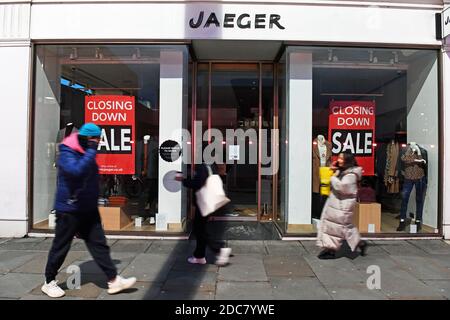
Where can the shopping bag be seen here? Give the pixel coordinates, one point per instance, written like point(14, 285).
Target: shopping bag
point(212, 195)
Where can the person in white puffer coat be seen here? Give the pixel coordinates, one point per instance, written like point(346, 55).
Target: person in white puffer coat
point(336, 222)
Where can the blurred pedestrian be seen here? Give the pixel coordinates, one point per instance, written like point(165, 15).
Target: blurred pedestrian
point(77, 211)
point(200, 228)
point(337, 215)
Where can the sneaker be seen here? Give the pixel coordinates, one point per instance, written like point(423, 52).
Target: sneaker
point(120, 284)
point(223, 257)
point(52, 289)
point(195, 260)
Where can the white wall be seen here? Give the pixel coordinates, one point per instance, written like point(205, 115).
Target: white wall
point(446, 135)
point(299, 127)
point(47, 117)
point(422, 126)
point(171, 116)
point(14, 90)
point(14, 77)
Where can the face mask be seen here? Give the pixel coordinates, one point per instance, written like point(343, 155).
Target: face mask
point(83, 141)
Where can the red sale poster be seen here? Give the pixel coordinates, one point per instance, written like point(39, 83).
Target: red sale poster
point(115, 115)
point(352, 128)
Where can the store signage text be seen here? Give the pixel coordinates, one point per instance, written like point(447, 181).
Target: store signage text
point(241, 21)
point(115, 115)
point(352, 129)
point(445, 23)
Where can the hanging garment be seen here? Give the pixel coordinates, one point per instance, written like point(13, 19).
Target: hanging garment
point(391, 178)
point(316, 164)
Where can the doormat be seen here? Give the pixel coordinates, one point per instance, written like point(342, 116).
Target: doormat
point(242, 230)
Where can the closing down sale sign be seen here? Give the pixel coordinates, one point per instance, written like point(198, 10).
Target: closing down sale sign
point(352, 128)
point(115, 115)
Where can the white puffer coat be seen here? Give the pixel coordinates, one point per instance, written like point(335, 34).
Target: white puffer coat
point(336, 222)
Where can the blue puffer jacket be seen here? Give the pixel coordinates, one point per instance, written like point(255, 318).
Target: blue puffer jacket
point(77, 176)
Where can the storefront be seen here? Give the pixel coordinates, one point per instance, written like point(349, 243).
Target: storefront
point(278, 91)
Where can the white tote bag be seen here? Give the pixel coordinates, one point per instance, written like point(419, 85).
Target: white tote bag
point(211, 196)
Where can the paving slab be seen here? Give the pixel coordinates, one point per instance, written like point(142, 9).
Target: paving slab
point(244, 268)
point(288, 266)
point(44, 245)
point(284, 288)
point(184, 295)
point(173, 247)
point(16, 285)
point(120, 259)
point(441, 286)
point(311, 247)
point(335, 273)
point(401, 248)
point(10, 260)
point(140, 291)
point(432, 246)
point(247, 247)
point(21, 244)
point(42, 296)
point(227, 290)
point(138, 246)
point(182, 265)
point(282, 248)
point(90, 286)
point(441, 259)
point(423, 268)
point(3, 240)
point(79, 245)
point(360, 292)
point(150, 267)
point(38, 263)
point(182, 281)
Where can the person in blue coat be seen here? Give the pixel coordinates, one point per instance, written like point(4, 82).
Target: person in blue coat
point(77, 211)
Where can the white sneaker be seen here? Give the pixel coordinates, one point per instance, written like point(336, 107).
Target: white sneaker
point(223, 257)
point(195, 260)
point(52, 289)
point(120, 284)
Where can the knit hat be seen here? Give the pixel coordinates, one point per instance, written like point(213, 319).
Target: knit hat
point(90, 130)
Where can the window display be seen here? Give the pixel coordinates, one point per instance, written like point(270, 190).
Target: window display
point(382, 106)
point(118, 88)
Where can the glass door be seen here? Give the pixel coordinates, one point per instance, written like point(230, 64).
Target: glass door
point(236, 101)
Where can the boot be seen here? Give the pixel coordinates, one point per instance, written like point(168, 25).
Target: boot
point(418, 225)
point(363, 247)
point(402, 225)
point(327, 254)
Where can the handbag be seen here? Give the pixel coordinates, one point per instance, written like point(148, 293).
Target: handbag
point(211, 196)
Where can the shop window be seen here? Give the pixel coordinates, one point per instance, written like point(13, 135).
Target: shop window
point(382, 106)
point(78, 84)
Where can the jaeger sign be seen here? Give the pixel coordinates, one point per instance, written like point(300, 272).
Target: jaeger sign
point(232, 20)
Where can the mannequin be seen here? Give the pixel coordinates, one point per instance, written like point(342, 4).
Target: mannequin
point(415, 161)
point(391, 176)
point(321, 157)
point(147, 166)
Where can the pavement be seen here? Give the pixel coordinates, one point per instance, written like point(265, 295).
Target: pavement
point(259, 270)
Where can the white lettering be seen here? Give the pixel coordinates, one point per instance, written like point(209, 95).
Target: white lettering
point(124, 139)
point(336, 142)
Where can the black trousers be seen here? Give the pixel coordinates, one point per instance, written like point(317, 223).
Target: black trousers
point(87, 225)
point(204, 237)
